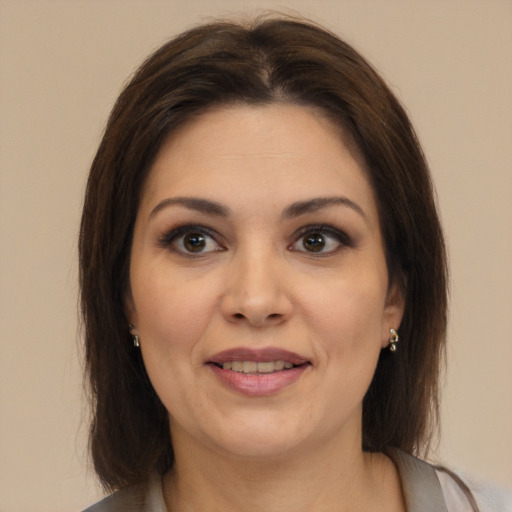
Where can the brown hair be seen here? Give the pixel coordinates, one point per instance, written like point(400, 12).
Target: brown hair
point(269, 60)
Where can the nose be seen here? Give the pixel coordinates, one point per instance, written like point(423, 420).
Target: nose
point(256, 290)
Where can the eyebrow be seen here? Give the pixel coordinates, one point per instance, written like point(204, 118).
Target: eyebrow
point(192, 203)
point(296, 209)
point(313, 205)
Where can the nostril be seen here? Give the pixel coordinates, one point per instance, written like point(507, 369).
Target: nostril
point(270, 317)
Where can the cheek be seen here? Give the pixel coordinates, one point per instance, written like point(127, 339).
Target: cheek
point(172, 317)
point(172, 311)
point(346, 324)
point(346, 313)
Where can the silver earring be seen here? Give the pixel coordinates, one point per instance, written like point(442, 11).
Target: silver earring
point(393, 340)
point(135, 337)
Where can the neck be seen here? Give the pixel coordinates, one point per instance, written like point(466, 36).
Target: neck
point(329, 479)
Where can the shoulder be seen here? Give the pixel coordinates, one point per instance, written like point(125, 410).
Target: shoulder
point(428, 488)
point(488, 497)
point(130, 499)
point(137, 498)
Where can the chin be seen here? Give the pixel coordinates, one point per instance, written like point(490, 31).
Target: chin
point(262, 438)
point(260, 446)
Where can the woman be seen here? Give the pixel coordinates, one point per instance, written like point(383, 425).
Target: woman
point(263, 281)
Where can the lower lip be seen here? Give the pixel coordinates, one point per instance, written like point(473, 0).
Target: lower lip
point(259, 384)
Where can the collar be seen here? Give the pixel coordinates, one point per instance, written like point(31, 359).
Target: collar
point(420, 485)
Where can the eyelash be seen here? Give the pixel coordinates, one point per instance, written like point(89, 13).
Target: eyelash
point(169, 239)
point(342, 239)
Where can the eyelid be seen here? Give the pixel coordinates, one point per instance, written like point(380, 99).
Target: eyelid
point(323, 229)
point(167, 239)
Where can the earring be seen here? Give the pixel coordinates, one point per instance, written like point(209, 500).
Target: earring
point(135, 337)
point(393, 340)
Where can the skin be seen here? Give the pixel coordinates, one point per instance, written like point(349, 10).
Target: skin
point(255, 284)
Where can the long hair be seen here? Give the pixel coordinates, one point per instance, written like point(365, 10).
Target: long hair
point(267, 61)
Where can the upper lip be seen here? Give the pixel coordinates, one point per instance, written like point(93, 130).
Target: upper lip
point(257, 355)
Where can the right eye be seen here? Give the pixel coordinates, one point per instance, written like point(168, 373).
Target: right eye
point(190, 241)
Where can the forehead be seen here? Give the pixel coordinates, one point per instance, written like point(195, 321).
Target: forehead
point(280, 151)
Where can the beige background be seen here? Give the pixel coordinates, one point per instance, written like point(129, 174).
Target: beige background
point(62, 63)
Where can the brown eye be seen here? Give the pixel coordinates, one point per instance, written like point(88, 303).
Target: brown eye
point(191, 241)
point(194, 242)
point(320, 240)
point(314, 242)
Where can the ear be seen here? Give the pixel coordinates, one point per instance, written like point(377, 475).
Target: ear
point(130, 311)
point(393, 311)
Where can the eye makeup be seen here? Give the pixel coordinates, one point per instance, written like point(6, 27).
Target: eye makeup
point(191, 240)
point(320, 240)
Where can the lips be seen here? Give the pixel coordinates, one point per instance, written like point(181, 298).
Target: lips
point(257, 366)
point(258, 372)
point(258, 355)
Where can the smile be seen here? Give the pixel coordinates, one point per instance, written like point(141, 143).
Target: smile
point(257, 366)
point(258, 372)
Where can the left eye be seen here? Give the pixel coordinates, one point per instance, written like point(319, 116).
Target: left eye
point(195, 242)
point(190, 241)
point(319, 241)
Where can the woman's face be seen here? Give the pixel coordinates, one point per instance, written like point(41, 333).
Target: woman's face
point(259, 286)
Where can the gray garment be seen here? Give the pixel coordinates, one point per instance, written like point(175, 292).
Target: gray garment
point(422, 491)
point(143, 498)
point(420, 485)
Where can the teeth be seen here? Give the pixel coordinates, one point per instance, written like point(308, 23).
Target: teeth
point(278, 365)
point(249, 367)
point(257, 366)
point(237, 366)
point(264, 367)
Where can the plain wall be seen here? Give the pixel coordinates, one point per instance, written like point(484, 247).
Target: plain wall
point(62, 64)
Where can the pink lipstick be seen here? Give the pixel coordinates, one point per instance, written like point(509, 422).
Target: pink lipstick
point(258, 372)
